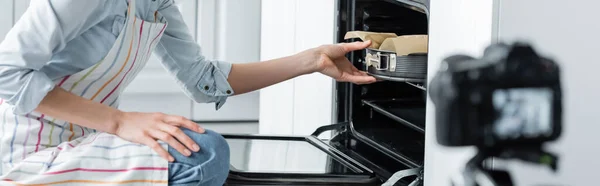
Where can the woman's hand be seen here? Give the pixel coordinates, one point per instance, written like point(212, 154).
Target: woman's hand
point(331, 60)
point(144, 128)
point(148, 128)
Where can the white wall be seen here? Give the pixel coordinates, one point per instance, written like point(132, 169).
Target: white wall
point(456, 26)
point(300, 105)
point(567, 32)
point(564, 31)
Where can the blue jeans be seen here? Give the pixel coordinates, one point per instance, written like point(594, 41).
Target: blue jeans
point(209, 166)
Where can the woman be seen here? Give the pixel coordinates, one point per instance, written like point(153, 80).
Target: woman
point(63, 66)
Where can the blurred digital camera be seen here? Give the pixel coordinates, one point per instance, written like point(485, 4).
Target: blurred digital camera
point(510, 96)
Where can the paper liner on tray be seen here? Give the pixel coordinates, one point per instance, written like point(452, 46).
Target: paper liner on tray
point(402, 45)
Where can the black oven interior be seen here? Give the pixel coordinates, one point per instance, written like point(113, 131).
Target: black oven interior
point(387, 118)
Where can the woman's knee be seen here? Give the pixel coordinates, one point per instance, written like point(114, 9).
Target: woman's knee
point(213, 157)
point(212, 142)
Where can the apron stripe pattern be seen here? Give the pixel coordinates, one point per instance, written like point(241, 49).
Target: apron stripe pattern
point(93, 182)
point(26, 137)
point(129, 70)
point(12, 141)
point(39, 133)
point(107, 70)
point(120, 70)
point(82, 156)
point(72, 133)
point(51, 131)
point(62, 131)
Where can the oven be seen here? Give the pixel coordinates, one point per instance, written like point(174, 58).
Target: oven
point(379, 134)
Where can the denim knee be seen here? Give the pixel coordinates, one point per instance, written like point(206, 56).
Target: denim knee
point(209, 166)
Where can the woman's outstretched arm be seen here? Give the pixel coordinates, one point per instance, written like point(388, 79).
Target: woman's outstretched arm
point(327, 59)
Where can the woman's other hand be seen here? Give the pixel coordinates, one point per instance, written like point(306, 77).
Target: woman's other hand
point(331, 60)
point(148, 128)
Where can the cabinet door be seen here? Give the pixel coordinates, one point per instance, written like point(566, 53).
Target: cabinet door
point(20, 6)
point(230, 31)
point(299, 105)
point(6, 17)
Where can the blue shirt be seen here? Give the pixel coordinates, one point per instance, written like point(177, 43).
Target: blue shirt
point(55, 38)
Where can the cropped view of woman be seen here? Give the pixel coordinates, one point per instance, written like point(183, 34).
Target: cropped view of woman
point(64, 64)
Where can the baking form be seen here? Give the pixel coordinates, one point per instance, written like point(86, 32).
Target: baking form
point(395, 58)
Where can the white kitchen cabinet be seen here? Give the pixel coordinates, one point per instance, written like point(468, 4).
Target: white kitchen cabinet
point(230, 31)
point(10, 12)
point(20, 6)
point(6, 17)
point(240, 108)
point(168, 103)
point(277, 104)
point(300, 105)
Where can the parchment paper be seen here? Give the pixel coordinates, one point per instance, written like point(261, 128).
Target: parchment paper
point(402, 45)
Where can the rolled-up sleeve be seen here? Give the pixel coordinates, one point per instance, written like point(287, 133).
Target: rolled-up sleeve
point(45, 28)
point(203, 80)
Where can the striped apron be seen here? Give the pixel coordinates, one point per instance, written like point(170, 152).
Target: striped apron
point(40, 150)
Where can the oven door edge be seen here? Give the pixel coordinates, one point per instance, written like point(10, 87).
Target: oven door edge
point(362, 174)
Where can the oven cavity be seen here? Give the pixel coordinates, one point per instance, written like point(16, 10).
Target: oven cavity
point(387, 118)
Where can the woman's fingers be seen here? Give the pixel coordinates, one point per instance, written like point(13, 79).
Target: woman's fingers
point(360, 73)
point(359, 45)
point(358, 79)
point(166, 137)
point(181, 136)
point(152, 143)
point(183, 122)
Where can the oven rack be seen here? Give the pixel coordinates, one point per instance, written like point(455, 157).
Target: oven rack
point(396, 79)
point(408, 151)
point(418, 85)
point(409, 112)
point(416, 5)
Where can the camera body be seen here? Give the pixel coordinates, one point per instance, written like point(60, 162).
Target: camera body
point(511, 96)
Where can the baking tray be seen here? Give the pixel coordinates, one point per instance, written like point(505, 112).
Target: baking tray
point(389, 66)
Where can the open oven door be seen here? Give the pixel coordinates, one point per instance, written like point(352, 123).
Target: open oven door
point(286, 160)
point(308, 160)
point(355, 155)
